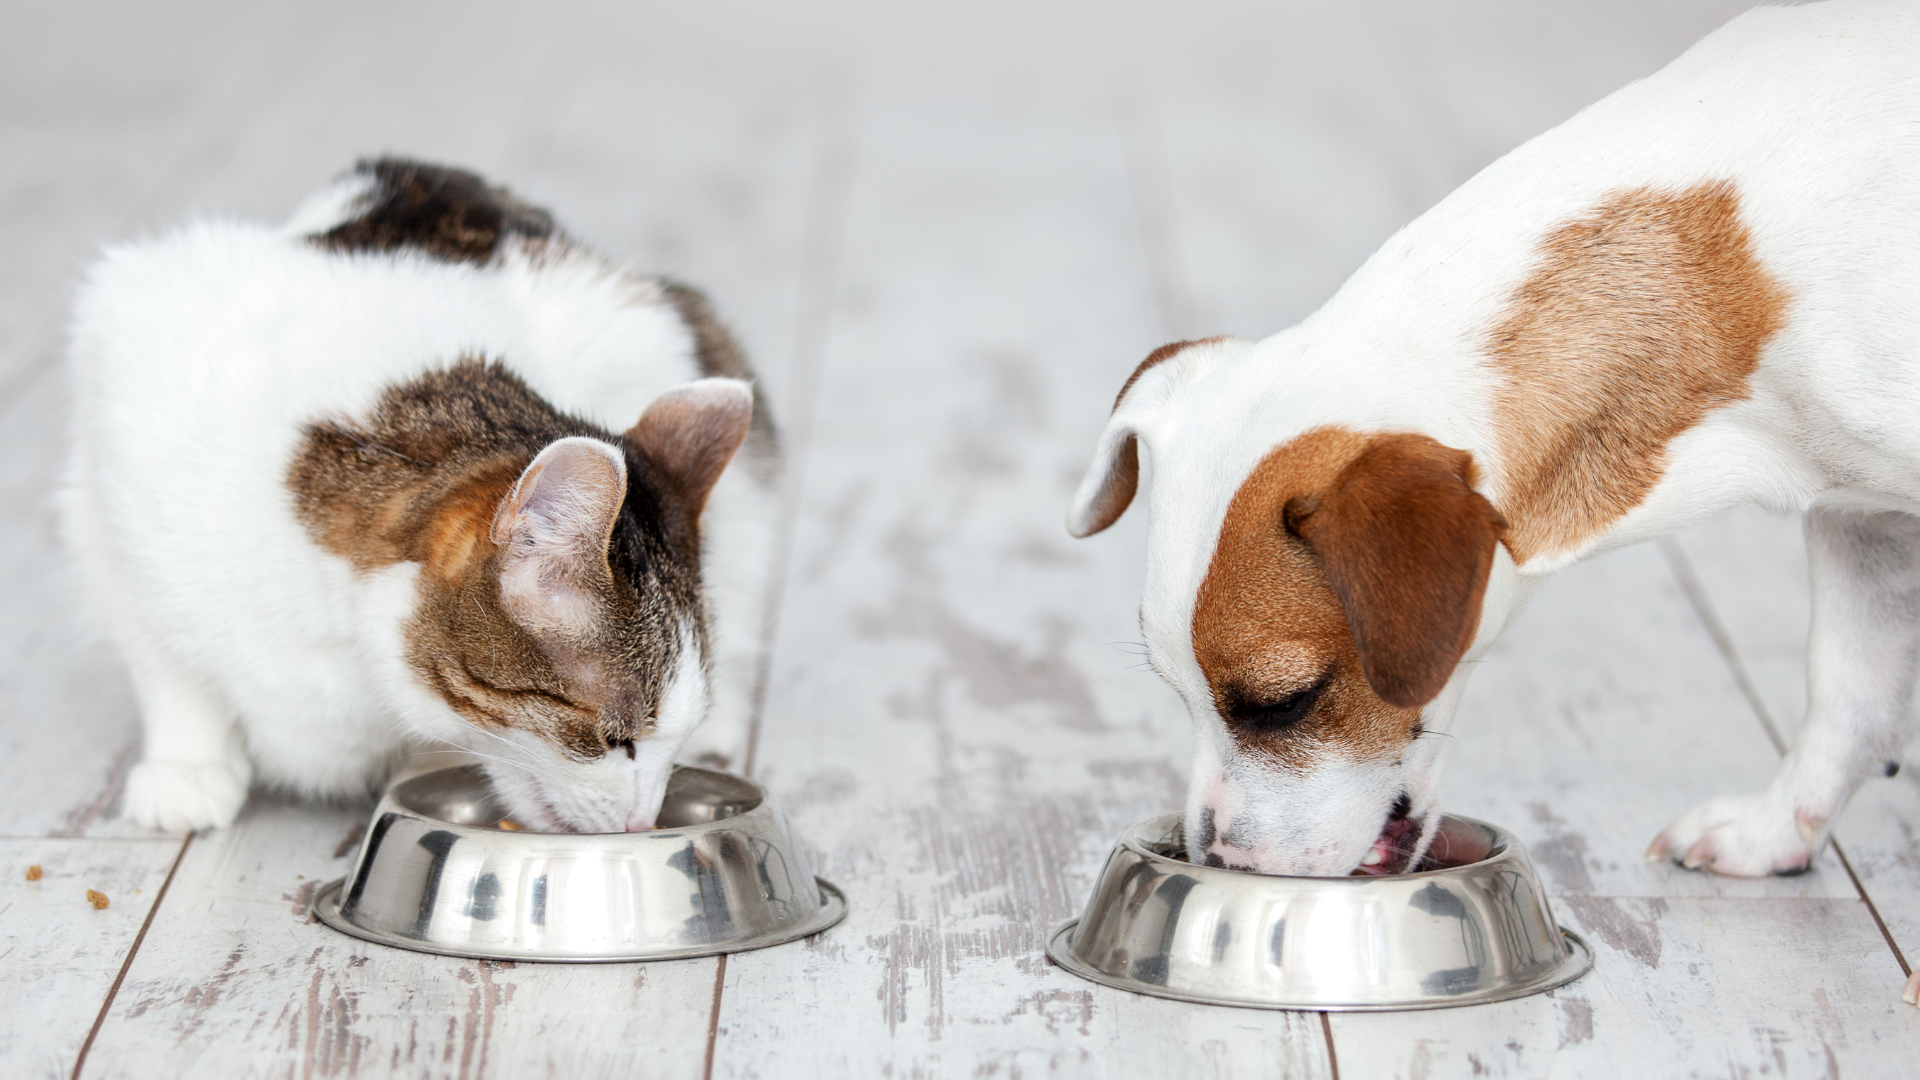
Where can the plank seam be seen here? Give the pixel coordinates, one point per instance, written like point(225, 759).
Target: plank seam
point(820, 270)
point(713, 1016)
point(1333, 1060)
point(1873, 909)
point(80, 1061)
point(1682, 568)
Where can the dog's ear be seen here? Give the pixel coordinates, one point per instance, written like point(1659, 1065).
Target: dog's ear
point(1109, 484)
point(1407, 544)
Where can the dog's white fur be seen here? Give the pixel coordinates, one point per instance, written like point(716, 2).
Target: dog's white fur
point(255, 653)
point(1813, 113)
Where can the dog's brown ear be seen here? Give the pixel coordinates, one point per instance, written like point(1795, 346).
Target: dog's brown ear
point(1407, 544)
point(1108, 488)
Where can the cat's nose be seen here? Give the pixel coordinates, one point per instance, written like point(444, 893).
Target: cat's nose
point(638, 823)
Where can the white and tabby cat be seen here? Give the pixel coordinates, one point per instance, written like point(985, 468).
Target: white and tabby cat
point(365, 482)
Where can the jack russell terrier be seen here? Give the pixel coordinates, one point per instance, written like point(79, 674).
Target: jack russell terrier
point(1700, 292)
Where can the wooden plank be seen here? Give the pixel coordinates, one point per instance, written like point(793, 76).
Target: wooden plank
point(1300, 137)
point(117, 113)
point(424, 80)
point(1752, 570)
point(697, 163)
point(1687, 986)
point(950, 722)
point(952, 729)
point(68, 731)
point(1479, 78)
point(1289, 157)
point(58, 953)
point(237, 979)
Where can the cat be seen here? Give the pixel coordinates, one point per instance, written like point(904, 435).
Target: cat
point(415, 469)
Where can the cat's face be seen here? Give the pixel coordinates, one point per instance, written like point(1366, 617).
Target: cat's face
point(561, 615)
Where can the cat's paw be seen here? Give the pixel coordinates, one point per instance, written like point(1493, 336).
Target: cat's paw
point(1741, 836)
point(181, 796)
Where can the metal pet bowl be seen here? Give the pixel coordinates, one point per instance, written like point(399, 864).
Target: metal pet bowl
point(436, 873)
point(1471, 926)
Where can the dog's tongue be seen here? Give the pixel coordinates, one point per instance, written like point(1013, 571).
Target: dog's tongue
point(1391, 851)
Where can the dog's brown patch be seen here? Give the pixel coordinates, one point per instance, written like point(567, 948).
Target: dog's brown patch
point(1407, 545)
point(1267, 622)
point(1637, 321)
point(1356, 562)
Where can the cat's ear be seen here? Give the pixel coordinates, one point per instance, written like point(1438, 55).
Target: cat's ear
point(692, 431)
point(553, 528)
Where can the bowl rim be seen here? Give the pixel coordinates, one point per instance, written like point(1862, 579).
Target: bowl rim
point(1134, 840)
point(833, 908)
point(389, 802)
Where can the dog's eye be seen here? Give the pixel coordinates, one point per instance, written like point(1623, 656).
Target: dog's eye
point(1281, 714)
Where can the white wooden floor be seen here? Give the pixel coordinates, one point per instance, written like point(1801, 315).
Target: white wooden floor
point(946, 235)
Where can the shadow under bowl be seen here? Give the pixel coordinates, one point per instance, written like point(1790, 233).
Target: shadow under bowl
point(1472, 926)
point(438, 873)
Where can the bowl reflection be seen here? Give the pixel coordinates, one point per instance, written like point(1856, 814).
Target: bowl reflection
point(437, 873)
point(1472, 925)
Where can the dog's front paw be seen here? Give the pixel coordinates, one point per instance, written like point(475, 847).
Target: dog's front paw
point(181, 796)
point(1741, 836)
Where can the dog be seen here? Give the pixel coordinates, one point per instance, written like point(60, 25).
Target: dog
point(1702, 291)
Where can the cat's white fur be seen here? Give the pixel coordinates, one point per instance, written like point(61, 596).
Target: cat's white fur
point(254, 653)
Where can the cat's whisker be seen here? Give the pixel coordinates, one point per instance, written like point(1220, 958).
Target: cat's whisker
point(525, 760)
point(522, 760)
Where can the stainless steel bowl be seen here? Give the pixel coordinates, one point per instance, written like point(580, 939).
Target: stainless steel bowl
point(1475, 928)
point(437, 873)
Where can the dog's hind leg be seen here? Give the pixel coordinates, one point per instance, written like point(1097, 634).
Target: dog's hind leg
point(1862, 649)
